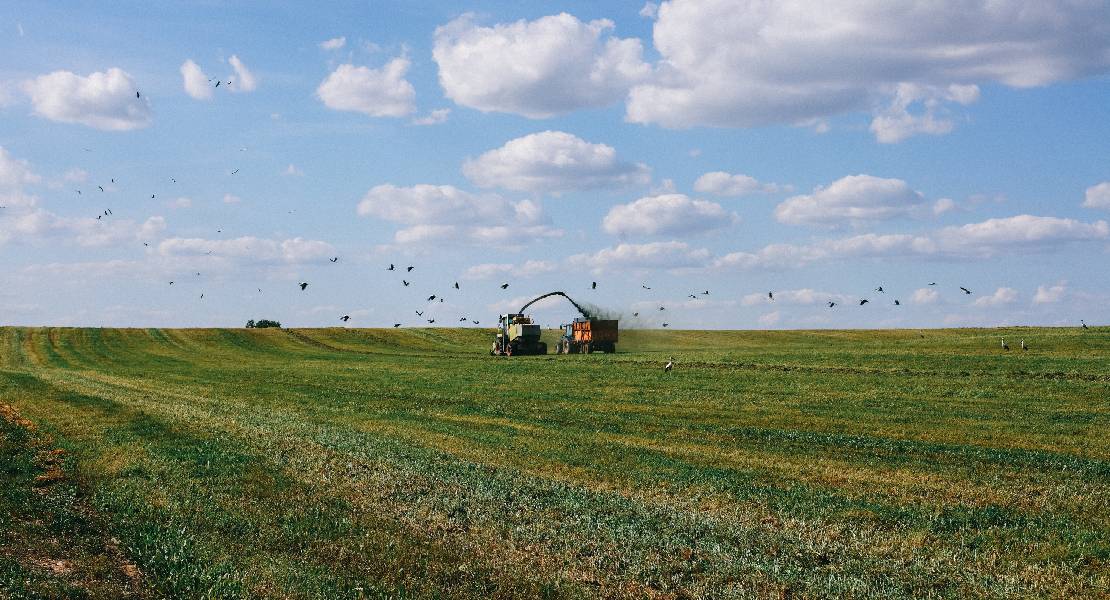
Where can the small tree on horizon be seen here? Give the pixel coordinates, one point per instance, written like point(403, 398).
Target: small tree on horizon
point(262, 323)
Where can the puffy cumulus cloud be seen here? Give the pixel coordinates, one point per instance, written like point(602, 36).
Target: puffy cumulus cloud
point(196, 82)
point(1098, 196)
point(724, 184)
point(108, 101)
point(746, 63)
point(529, 269)
point(36, 226)
point(244, 81)
point(924, 296)
point(670, 215)
point(247, 249)
point(856, 198)
point(1052, 294)
point(656, 255)
point(334, 43)
point(551, 66)
point(448, 216)
point(1023, 233)
point(378, 93)
point(232, 199)
point(554, 162)
point(15, 172)
point(436, 117)
point(1004, 295)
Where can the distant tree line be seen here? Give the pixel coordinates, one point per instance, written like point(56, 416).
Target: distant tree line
point(262, 323)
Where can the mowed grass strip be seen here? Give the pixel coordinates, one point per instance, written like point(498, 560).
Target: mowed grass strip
point(803, 467)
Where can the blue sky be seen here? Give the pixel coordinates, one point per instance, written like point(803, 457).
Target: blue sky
point(814, 151)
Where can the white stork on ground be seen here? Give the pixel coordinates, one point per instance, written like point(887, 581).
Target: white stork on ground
point(670, 365)
point(1004, 346)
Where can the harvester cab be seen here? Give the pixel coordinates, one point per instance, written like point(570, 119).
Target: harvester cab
point(517, 334)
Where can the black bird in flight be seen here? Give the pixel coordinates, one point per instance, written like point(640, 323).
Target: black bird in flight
point(693, 296)
point(405, 282)
point(432, 297)
point(419, 314)
point(431, 320)
point(662, 308)
point(136, 94)
point(635, 314)
point(504, 285)
point(334, 259)
point(594, 286)
point(862, 302)
point(475, 322)
point(879, 289)
point(345, 318)
point(462, 319)
point(832, 304)
point(396, 324)
point(645, 287)
point(933, 283)
point(966, 291)
point(410, 268)
point(456, 285)
point(390, 267)
point(101, 187)
point(770, 295)
point(896, 303)
point(665, 324)
point(705, 293)
point(303, 284)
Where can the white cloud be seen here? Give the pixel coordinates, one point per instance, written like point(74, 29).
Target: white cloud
point(671, 215)
point(232, 199)
point(291, 170)
point(196, 82)
point(770, 319)
point(245, 81)
point(1020, 233)
point(334, 43)
point(554, 162)
point(856, 198)
point(107, 101)
point(448, 216)
point(529, 269)
point(248, 249)
point(650, 10)
point(1053, 294)
point(383, 93)
point(1098, 196)
point(745, 63)
point(15, 172)
point(1004, 295)
point(805, 296)
point(179, 203)
point(551, 66)
point(723, 184)
point(37, 226)
point(924, 296)
point(656, 255)
point(75, 174)
point(436, 117)
point(944, 205)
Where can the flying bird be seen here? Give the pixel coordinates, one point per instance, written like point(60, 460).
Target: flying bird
point(345, 318)
point(862, 302)
point(693, 296)
point(705, 293)
point(431, 320)
point(665, 324)
point(303, 284)
point(966, 291)
point(635, 314)
point(770, 295)
point(432, 297)
point(462, 319)
point(504, 285)
point(236, 171)
point(593, 286)
point(933, 283)
point(390, 267)
point(419, 314)
point(410, 268)
point(217, 84)
point(879, 289)
point(645, 287)
point(405, 282)
point(832, 304)
point(202, 295)
point(456, 285)
point(897, 303)
point(396, 324)
point(475, 322)
point(670, 364)
point(1004, 346)
point(101, 187)
point(334, 259)
point(662, 308)
point(136, 94)
point(171, 283)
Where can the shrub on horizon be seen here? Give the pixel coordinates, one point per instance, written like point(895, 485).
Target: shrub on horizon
point(262, 323)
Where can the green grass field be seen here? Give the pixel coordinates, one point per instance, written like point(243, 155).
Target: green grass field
point(346, 463)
